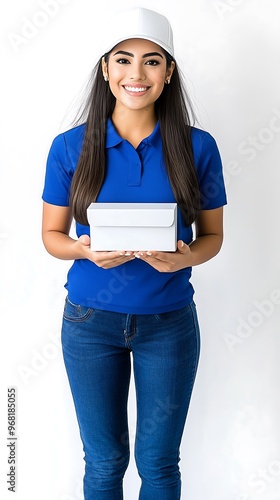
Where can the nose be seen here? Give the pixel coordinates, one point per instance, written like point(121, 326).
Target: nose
point(137, 71)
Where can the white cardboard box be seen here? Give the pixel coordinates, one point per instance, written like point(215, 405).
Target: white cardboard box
point(133, 226)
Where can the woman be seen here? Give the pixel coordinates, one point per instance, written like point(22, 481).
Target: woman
point(136, 145)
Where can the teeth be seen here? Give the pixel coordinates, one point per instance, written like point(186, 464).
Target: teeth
point(135, 89)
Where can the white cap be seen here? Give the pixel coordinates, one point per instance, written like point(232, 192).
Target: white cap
point(139, 23)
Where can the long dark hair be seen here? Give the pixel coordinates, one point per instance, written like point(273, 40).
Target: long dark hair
point(174, 112)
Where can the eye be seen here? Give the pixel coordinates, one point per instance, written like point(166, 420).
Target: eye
point(122, 60)
point(152, 62)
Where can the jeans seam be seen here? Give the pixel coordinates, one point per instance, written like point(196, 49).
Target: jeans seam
point(197, 335)
point(79, 319)
point(130, 337)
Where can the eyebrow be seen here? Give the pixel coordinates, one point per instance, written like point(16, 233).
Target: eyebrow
point(149, 54)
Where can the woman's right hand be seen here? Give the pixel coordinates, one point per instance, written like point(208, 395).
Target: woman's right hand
point(106, 260)
point(56, 225)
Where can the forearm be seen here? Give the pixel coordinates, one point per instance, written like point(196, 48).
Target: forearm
point(209, 239)
point(61, 246)
point(205, 248)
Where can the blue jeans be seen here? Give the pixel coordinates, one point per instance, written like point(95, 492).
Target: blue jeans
point(97, 349)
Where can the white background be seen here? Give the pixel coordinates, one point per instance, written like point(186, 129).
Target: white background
point(229, 53)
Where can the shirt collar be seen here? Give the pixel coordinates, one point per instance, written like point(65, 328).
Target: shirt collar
point(113, 138)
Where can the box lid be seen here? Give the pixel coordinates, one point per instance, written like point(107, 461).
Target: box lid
point(132, 214)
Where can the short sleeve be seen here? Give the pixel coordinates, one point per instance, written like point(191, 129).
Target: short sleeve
point(59, 173)
point(209, 170)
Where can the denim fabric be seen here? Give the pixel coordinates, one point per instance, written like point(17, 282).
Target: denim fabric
point(98, 349)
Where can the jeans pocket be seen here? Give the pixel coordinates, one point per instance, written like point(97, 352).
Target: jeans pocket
point(76, 312)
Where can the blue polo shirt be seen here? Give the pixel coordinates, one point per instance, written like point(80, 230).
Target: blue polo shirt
point(132, 175)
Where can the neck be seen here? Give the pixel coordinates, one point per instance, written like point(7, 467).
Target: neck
point(134, 125)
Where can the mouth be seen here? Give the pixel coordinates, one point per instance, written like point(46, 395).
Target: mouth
point(136, 89)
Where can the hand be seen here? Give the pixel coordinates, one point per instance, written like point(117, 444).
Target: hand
point(168, 262)
point(106, 260)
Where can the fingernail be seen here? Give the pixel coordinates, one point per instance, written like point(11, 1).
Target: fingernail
point(149, 253)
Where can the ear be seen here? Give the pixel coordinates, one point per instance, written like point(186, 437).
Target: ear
point(104, 69)
point(169, 72)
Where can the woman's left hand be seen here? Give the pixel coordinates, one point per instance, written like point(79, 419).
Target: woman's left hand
point(168, 262)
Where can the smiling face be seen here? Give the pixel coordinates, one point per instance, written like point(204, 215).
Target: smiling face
point(137, 71)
